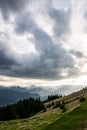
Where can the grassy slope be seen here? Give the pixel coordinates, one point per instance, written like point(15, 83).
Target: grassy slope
point(37, 122)
point(53, 119)
point(34, 123)
point(74, 120)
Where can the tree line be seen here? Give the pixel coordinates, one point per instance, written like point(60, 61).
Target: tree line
point(52, 97)
point(21, 109)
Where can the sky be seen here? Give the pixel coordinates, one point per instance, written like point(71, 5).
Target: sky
point(43, 42)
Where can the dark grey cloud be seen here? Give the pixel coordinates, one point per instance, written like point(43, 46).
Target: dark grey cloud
point(51, 58)
point(77, 53)
point(24, 23)
point(61, 21)
point(12, 6)
point(7, 61)
point(85, 17)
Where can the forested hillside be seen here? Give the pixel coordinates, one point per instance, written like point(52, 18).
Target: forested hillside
point(21, 109)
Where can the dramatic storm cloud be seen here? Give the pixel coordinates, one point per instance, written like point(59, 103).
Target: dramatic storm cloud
point(43, 39)
point(9, 6)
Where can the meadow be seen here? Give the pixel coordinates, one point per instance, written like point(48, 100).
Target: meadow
point(75, 118)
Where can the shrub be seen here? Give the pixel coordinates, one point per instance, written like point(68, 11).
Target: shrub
point(52, 103)
point(56, 105)
point(44, 110)
point(64, 109)
point(82, 99)
point(62, 106)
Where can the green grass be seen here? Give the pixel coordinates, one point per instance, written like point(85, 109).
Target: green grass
point(52, 120)
point(34, 123)
point(74, 120)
